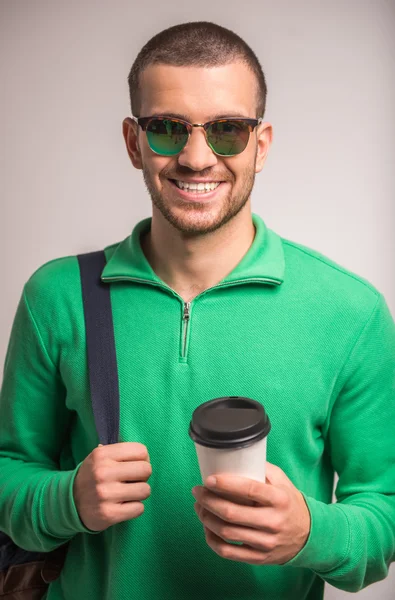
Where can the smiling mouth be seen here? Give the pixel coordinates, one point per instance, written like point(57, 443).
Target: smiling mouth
point(195, 194)
point(194, 189)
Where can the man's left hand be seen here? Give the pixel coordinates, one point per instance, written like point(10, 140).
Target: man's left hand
point(272, 531)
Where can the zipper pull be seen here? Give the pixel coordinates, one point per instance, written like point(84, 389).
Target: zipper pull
point(186, 310)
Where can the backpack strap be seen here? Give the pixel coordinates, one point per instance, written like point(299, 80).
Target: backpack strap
point(102, 367)
point(102, 361)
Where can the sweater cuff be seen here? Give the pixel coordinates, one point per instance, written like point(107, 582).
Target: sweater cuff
point(59, 515)
point(329, 540)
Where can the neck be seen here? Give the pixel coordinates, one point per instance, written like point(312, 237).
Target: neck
point(190, 265)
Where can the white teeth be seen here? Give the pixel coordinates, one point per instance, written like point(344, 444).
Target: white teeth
point(197, 187)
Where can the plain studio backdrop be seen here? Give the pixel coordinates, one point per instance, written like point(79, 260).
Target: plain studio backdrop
point(67, 185)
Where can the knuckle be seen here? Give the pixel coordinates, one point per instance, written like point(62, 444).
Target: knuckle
point(253, 489)
point(147, 469)
point(276, 524)
point(141, 448)
point(269, 545)
point(139, 509)
point(140, 445)
point(227, 533)
point(101, 492)
point(105, 513)
point(283, 499)
point(98, 453)
point(230, 514)
point(146, 490)
point(100, 474)
point(226, 551)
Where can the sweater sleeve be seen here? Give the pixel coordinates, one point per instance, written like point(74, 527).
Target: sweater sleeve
point(352, 542)
point(37, 508)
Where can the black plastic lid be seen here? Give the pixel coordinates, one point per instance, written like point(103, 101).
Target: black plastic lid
point(229, 422)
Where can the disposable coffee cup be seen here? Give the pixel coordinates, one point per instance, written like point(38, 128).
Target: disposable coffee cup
point(230, 436)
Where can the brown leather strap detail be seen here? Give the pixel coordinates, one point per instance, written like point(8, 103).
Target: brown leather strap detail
point(30, 580)
point(22, 582)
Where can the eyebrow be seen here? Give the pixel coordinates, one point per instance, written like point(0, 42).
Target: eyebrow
point(211, 118)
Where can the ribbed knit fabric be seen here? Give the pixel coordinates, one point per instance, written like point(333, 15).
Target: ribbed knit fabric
point(288, 327)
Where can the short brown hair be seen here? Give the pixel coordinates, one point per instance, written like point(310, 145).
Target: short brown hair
point(197, 44)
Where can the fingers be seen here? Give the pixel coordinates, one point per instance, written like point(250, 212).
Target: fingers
point(264, 517)
point(124, 472)
point(229, 532)
point(263, 494)
point(122, 451)
point(121, 492)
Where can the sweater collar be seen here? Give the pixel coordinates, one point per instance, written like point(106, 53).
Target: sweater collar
point(264, 260)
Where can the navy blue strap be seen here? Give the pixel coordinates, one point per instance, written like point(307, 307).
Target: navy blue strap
point(102, 361)
point(102, 367)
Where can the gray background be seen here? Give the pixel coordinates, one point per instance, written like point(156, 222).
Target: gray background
point(67, 185)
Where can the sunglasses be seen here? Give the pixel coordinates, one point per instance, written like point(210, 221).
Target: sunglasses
point(168, 136)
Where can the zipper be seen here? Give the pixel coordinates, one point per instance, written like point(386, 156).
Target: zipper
point(186, 317)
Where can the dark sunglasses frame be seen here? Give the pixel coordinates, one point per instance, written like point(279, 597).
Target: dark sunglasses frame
point(251, 123)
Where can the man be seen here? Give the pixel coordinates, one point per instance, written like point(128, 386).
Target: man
point(207, 302)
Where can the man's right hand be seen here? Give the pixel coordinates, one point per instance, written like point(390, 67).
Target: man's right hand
point(109, 485)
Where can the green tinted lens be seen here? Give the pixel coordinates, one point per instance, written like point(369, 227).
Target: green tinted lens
point(166, 137)
point(228, 137)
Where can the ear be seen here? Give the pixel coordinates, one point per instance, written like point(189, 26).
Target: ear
point(264, 139)
point(130, 133)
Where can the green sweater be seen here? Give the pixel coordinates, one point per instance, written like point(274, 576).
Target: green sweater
point(311, 341)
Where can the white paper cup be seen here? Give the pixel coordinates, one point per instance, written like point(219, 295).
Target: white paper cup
point(230, 436)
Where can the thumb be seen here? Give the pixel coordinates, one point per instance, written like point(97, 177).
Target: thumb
point(276, 476)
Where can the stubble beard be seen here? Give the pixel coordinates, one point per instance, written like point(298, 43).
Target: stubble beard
point(198, 218)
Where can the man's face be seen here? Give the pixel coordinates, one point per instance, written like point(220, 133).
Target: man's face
point(198, 94)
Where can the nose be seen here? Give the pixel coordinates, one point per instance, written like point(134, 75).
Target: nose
point(197, 154)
